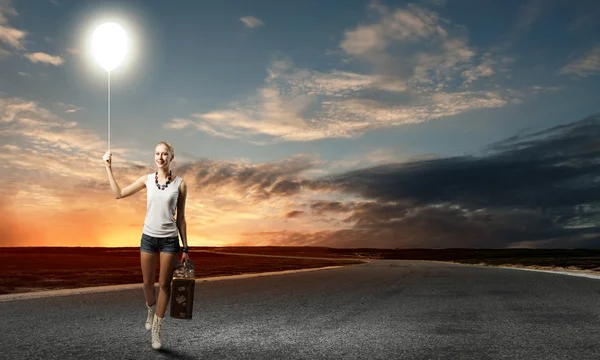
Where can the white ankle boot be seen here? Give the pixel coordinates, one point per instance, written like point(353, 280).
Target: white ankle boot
point(156, 329)
point(150, 318)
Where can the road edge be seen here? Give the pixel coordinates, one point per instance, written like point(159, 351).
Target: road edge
point(564, 272)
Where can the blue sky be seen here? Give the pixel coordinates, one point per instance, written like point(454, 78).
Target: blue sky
point(322, 89)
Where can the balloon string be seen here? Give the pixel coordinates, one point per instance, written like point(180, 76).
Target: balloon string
point(108, 111)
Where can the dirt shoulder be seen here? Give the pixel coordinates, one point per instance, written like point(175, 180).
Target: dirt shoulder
point(34, 270)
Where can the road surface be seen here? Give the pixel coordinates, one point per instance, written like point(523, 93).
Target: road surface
point(384, 309)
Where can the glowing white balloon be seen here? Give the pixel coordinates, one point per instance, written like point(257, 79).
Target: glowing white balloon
point(109, 45)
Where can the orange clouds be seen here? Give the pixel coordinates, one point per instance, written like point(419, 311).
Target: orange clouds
point(57, 191)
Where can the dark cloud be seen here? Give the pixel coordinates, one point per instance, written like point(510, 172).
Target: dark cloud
point(535, 190)
point(286, 187)
point(294, 213)
point(319, 207)
point(526, 189)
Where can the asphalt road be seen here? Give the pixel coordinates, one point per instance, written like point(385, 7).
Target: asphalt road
point(385, 309)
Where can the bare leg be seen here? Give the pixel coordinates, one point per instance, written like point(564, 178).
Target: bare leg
point(149, 261)
point(167, 264)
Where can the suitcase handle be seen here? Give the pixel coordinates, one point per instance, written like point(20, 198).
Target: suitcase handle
point(186, 268)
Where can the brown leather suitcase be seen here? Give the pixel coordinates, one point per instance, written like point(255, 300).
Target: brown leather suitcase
point(182, 291)
point(182, 298)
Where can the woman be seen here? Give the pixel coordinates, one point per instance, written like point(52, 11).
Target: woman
point(165, 194)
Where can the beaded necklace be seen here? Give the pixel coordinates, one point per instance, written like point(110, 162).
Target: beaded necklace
point(165, 185)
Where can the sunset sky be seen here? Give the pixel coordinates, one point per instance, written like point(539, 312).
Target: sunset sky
point(389, 124)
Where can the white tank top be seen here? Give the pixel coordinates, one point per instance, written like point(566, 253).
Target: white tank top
point(160, 210)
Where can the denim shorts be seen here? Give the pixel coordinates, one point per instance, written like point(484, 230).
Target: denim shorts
point(153, 244)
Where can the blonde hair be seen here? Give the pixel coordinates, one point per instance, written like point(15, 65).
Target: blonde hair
point(171, 150)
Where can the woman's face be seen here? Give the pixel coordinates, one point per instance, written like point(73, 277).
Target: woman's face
point(161, 156)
